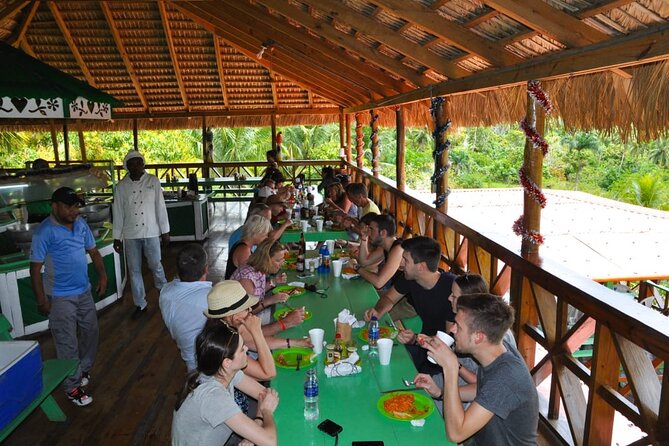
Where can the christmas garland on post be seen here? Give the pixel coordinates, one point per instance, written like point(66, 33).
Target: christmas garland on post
point(531, 188)
point(441, 146)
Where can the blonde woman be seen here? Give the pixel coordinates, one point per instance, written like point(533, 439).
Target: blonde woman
point(255, 230)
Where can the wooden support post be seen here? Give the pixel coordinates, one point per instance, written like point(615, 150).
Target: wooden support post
point(359, 143)
point(374, 139)
point(273, 124)
point(342, 134)
point(532, 165)
point(441, 143)
point(400, 173)
point(207, 148)
point(349, 156)
point(54, 142)
point(526, 314)
point(82, 145)
point(66, 142)
point(135, 139)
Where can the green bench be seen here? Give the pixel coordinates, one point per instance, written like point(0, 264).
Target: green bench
point(54, 371)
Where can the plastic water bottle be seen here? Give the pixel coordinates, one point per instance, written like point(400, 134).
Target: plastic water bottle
point(311, 395)
point(373, 334)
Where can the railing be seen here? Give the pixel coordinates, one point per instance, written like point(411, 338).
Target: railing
point(559, 310)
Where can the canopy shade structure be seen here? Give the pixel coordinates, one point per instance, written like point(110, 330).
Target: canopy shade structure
point(31, 89)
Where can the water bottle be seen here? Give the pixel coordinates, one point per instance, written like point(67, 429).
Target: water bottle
point(311, 395)
point(373, 334)
point(326, 258)
point(321, 258)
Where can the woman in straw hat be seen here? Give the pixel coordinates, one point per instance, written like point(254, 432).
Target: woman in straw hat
point(206, 412)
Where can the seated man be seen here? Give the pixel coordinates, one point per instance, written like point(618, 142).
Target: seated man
point(277, 206)
point(357, 193)
point(504, 409)
point(381, 234)
point(429, 289)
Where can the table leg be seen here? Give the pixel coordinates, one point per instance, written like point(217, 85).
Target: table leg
point(52, 410)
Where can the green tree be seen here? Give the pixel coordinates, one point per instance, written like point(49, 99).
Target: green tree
point(579, 143)
point(659, 152)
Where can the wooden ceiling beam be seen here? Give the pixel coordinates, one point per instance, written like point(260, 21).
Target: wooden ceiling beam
point(249, 47)
point(124, 54)
point(276, 53)
point(438, 4)
point(23, 27)
point(348, 42)
point(272, 81)
point(481, 19)
point(385, 35)
point(221, 70)
point(542, 17)
point(232, 113)
point(452, 32)
point(647, 46)
point(312, 49)
point(12, 8)
point(25, 46)
point(602, 8)
point(70, 42)
point(164, 18)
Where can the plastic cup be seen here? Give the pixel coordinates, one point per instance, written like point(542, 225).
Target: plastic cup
point(336, 267)
point(316, 336)
point(385, 347)
point(319, 225)
point(331, 246)
point(305, 225)
point(446, 339)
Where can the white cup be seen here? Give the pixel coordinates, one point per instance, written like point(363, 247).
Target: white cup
point(331, 246)
point(319, 225)
point(316, 336)
point(305, 225)
point(336, 267)
point(446, 339)
point(385, 350)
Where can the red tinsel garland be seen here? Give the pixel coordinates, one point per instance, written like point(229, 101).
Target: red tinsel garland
point(531, 188)
point(537, 141)
point(531, 236)
point(534, 89)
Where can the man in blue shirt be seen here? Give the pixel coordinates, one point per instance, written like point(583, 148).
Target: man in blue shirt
point(63, 292)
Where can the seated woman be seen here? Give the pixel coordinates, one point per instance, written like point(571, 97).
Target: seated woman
point(337, 202)
point(268, 259)
point(255, 230)
point(206, 412)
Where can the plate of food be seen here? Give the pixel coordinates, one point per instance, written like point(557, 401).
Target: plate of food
point(282, 312)
point(384, 332)
point(287, 357)
point(405, 406)
point(291, 290)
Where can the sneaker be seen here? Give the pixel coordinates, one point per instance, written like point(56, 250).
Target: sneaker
point(139, 312)
point(85, 379)
point(79, 397)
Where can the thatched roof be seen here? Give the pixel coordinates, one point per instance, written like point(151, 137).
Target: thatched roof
point(175, 60)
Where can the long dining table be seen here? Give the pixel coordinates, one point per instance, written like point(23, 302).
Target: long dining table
point(350, 401)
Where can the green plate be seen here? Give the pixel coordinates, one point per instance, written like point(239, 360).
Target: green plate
point(287, 357)
point(422, 407)
point(384, 332)
point(278, 314)
point(287, 289)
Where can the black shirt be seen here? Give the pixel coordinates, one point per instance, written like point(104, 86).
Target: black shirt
point(230, 267)
point(432, 306)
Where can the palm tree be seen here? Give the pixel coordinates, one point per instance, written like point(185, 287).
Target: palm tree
point(659, 152)
point(578, 144)
point(648, 191)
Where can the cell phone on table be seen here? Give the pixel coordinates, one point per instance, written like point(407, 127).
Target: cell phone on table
point(330, 427)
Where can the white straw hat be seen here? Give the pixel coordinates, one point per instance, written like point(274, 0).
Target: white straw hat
point(227, 298)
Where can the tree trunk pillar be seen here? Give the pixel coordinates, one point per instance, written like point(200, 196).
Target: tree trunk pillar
point(400, 172)
point(207, 148)
point(66, 142)
point(273, 124)
point(441, 146)
point(374, 138)
point(349, 156)
point(532, 166)
point(342, 135)
point(359, 143)
point(82, 145)
point(135, 137)
point(54, 142)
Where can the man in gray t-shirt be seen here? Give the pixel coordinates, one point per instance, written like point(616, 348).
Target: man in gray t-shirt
point(504, 409)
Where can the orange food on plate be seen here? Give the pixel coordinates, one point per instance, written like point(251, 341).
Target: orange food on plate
point(402, 406)
point(348, 270)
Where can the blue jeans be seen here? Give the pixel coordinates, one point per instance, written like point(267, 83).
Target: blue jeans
point(74, 326)
point(150, 247)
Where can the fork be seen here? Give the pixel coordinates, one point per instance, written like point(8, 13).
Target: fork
point(407, 382)
point(299, 360)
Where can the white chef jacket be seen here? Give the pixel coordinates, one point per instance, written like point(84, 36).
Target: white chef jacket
point(139, 208)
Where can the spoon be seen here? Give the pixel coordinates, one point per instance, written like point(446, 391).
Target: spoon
point(408, 383)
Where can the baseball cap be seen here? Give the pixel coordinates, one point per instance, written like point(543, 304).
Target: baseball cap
point(67, 196)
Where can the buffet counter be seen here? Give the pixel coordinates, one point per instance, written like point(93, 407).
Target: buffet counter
point(189, 218)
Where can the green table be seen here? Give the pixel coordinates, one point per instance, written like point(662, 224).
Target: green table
point(349, 401)
point(312, 235)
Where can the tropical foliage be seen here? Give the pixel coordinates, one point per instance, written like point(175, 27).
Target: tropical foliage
point(480, 156)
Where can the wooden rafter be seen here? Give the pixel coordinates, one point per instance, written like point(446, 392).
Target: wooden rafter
point(602, 8)
point(164, 18)
point(481, 19)
point(25, 46)
point(646, 46)
point(221, 71)
point(325, 30)
point(542, 17)
point(249, 46)
point(312, 49)
point(450, 31)
point(23, 28)
point(438, 4)
point(11, 9)
point(385, 36)
point(233, 113)
point(70, 42)
point(272, 81)
point(124, 54)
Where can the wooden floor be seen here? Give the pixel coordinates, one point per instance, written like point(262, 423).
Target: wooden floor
point(138, 371)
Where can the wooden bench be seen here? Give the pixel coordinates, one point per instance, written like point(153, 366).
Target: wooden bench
point(54, 371)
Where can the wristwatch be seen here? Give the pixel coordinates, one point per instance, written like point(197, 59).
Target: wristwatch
point(356, 267)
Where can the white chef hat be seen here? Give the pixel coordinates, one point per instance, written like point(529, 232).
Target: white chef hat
point(132, 154)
